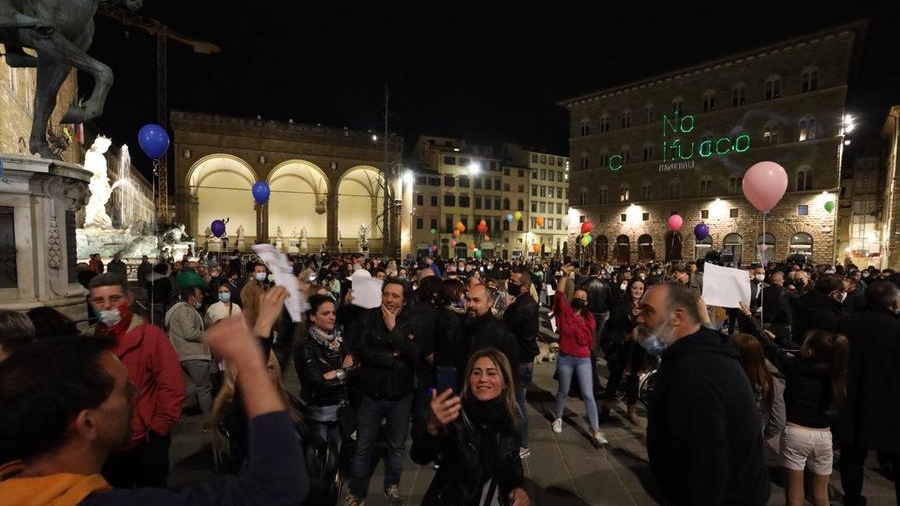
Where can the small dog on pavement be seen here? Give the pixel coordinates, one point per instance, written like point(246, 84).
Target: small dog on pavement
point(546, 352)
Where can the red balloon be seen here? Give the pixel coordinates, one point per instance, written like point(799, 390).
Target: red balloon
point(586, 227)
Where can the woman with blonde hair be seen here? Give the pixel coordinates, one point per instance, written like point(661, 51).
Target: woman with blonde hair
point(476, 436)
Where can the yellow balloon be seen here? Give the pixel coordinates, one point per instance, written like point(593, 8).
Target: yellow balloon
point(518, 215)
point(585, 240)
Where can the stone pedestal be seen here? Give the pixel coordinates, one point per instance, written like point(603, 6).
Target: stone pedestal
point(304, 245)
point(214, 245)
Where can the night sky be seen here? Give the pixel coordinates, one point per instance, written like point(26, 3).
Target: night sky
point(485, 71)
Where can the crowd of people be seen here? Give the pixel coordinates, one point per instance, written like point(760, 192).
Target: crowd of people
point(447, 359)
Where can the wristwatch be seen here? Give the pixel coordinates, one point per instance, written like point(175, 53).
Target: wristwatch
point(340, 374)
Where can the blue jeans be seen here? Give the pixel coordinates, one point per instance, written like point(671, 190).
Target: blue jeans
point(328, 431)
point(523, 380)
point(369, 415)
point(566, 366)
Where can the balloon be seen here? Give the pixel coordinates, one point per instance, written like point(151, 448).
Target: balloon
point(482, 222)
point(518, 215)
point(566, 221)
point(487, 238)
point(586, 227)
point(261, 192)
point(536, 247)
point(481, 228)
point(478, 253)
point(829, 206)
point(585, 240)
point(675, 222)
point(540, 221)
point(701, 231)
point(154, 140)
point(764, 185)
point(509, 218)
point(218, 228)
point(433, 231)
point(460, 226)
point(456, 233)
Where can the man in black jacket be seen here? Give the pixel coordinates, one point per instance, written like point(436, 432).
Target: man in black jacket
point(482, 329)
point(871, 418)
point(599, 303)
point(388, 352)
point(522, 319)
point(704, 437)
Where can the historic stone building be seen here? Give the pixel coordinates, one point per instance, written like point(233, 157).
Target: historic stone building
point(680, 143)
point(327, 184)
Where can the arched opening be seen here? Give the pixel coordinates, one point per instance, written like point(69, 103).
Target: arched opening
point(765, 247)
point(220, 186)
point(702, 247)
point(361, 205)
point(801, 246)
point(732, 245)
point(623, 250)
point(673, 245)
point(601, 248)
point(461, 250)
point(645, 247)
point(298, 206)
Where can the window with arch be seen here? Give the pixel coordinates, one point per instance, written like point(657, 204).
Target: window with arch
point(770, 133)
point(623, 193)
point(765, 247)
point(603, 194)
point(709, 100)
point(626, 118)
point(674, 189)
point(705, 186)
point(520, 205)
point(506, 204)
point(585, 127)
point(583, 196)
point(804, 179)
point(773, 87)
point(585, 161)
point(807, 128)
point(604, 158)
point(738, 94)
point(801, 244)
point(646, 189)
point(604, 123)
point(703, 246)
point(647, 152)
point(677, 105)
point(626, 153)
point(731, 252)
point(809, 79)
point(735, 185)
point(648, 113)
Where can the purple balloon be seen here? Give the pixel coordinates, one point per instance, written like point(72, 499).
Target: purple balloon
point(701, 231)
point(218, 228)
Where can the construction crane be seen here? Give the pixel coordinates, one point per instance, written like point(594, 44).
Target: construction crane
point(163, 34)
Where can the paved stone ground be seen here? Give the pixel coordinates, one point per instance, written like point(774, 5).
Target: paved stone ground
point(564, 469)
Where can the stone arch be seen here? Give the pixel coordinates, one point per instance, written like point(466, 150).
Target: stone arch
point(220, 186)
point(361, 194)
point(299, 199)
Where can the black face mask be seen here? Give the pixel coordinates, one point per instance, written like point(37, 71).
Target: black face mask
point(513, 289)
point(578, 304)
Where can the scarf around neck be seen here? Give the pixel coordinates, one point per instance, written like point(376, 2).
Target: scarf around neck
point(332, 340)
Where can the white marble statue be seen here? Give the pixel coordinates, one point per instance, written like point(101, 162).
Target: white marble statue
point(240, 232)
point(363, 234)
point(95, 212)
point(278, 232)
point(303, 233)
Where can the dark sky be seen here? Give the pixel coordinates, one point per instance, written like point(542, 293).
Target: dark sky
point(486, 71)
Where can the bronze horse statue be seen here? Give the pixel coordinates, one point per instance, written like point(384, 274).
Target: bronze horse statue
point(60, 31)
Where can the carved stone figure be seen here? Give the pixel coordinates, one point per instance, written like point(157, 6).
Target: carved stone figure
point(240, 232)
point(363, 234)
point(60, 32)
point(95, 212)
point(303, 233)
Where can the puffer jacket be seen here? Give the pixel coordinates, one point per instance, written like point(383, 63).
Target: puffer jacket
point(459, 446)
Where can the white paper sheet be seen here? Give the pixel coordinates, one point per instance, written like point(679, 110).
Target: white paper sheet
point(284, 276)
point(725, 286)
point(366, 292)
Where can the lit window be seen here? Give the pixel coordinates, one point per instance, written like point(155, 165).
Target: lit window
point(807, 129)
point(623, 193)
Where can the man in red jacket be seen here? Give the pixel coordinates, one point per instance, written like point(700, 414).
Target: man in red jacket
point(154, 369)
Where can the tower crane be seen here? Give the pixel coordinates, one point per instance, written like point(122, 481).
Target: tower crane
point(162, 34)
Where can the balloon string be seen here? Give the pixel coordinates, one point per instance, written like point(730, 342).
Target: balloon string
point(762, 254)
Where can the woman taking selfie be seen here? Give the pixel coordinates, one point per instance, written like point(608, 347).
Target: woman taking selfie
point(476, 437)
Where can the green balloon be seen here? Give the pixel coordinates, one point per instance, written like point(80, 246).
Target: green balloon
point(829, 206)
point(433, 231)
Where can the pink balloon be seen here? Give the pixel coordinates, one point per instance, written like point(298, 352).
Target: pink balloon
point(675, 222)
point(764, 185)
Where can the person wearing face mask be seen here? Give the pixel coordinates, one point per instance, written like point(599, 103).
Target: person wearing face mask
point(186, 329)
point(522, 319)
point(224, 306)
point(704, 434)
point(576, 338)
point(154, 369)
point(252, 293)
point(819, 308)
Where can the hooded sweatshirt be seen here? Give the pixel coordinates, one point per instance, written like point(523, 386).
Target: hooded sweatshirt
point(704, 435)
point(64, 489)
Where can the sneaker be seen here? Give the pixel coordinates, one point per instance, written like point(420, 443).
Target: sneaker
point(352, 500)
point(600, 438)
point(524, 452)
point(392, 492)
point(557, 426)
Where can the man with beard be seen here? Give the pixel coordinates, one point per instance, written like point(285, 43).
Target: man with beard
point(522, 319)
point(704, 437)
point(66, 404)
point(155, 370)
point(483, 330)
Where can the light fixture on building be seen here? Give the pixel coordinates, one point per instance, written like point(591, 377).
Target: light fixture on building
point(262, 158)
point(186, 153)
point(332, 165)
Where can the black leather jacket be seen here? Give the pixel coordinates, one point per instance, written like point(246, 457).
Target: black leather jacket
point(312, 361)
point(456, 482)
point(522, 319)
point(384, 375)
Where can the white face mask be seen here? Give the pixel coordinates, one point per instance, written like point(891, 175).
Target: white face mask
point(260, 276)
point(760, 277)
point(110, 317)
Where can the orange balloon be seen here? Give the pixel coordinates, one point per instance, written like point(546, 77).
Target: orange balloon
point(540, 221)
point(460, 227)
point(487, 238)
point(536, 248)
point(456, 233)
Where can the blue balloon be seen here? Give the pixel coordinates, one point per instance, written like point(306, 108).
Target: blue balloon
point(154, 140)
point(261, 192)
